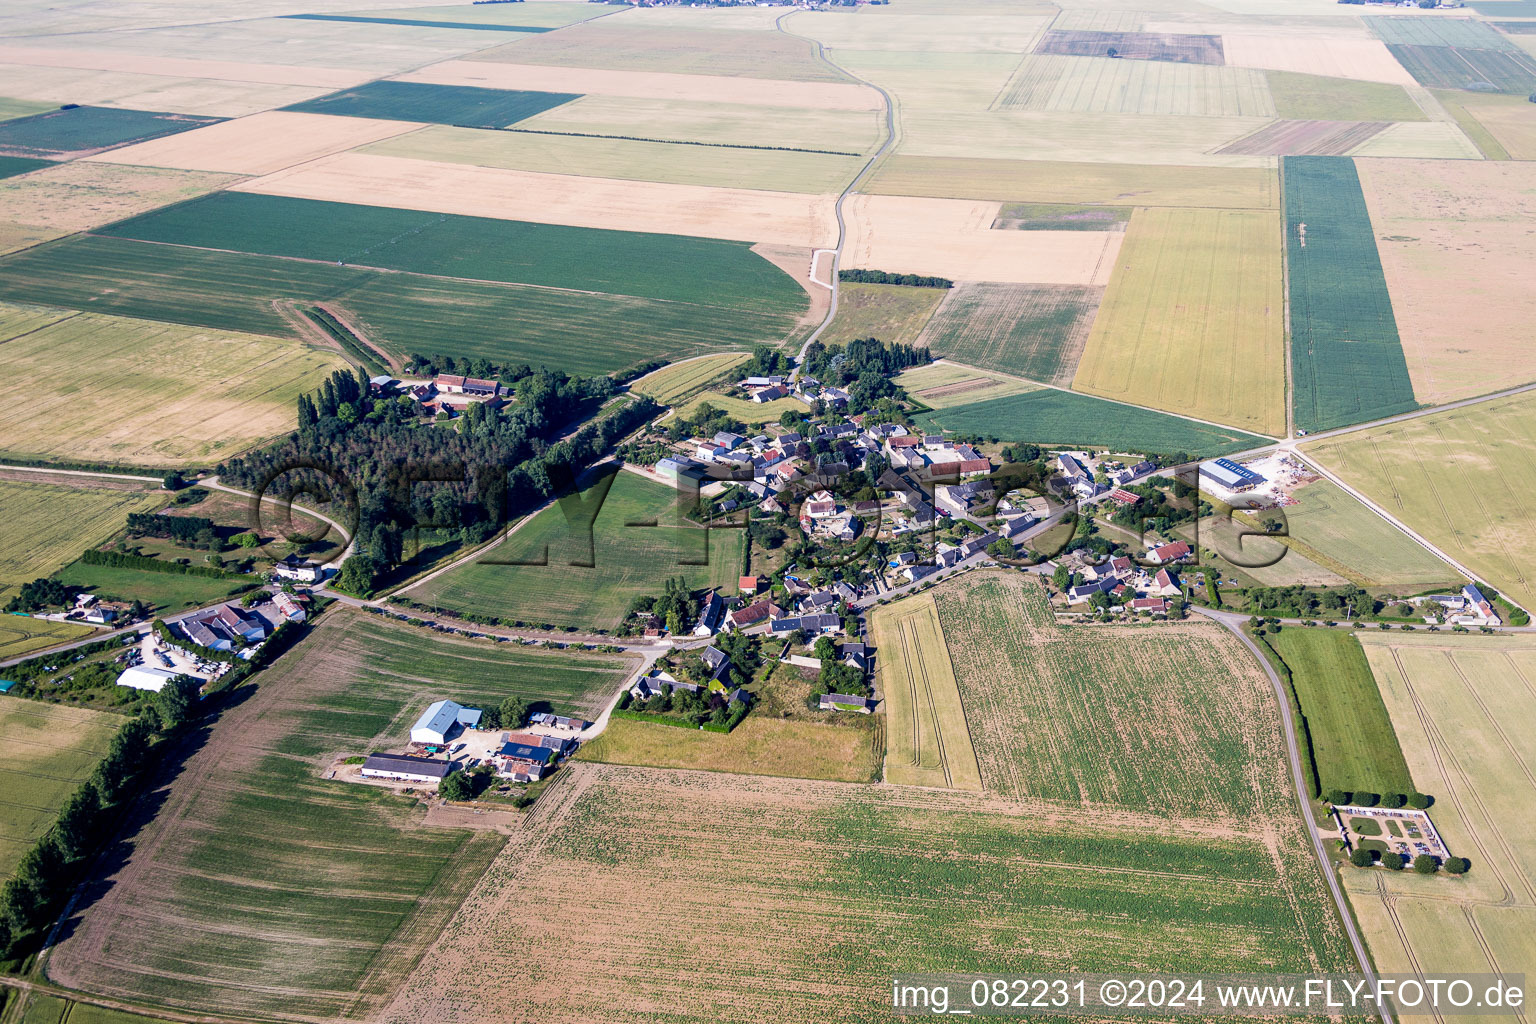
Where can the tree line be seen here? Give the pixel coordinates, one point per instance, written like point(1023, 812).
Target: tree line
point(886, 277)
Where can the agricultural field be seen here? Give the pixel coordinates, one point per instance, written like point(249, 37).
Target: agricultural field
point(435, 104)
point(1109, 716)
point(705, 122)
point(1347, 362)
point(13, 108)
point(1336, 530)
point(21, 634)
point(928, 740)
point(1035, 331)
point(1082, 182)
point(48, 525)
point(260, 144)
point(680, 380)
point(719, 273)
point(1238, 550)
point(675, 162)
point(1193, 320)
point(1051, 416)
point(894, 313)
point(547, 15)
point(627, 560)
point(762, 856)
point(1005, 30)
point(1061, 217)
point(162, 591)
point(331, 934)
point(1150, 46)
point(1353, 743)
point(760, 745)
point(505, 323)
point(1420, 140)
point(1457, 255)
point(81, 131)
point(1105, 85)
point(744, 409)
point(1452, 701)
point(1455, 67)
point(77, 196)
point(1332, 52)
point(157, 394)
point(1307, 138)
point(1461, 479)
point(1461, 32)
point(1503, 127)
point(49, 750)
point(940, 385)
point(1316, 98)
point(624, 45)
point(11, 166)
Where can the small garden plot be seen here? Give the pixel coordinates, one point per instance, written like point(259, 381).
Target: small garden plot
point(1181, 49)
point(436, 104)
point(80, 131)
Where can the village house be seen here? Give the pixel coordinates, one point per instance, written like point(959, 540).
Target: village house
point(710, 612)
point(845, 702)
point(751, 615)
point(405, 768)
point(1166, 584)
point(1163, 554)
point(292, 567)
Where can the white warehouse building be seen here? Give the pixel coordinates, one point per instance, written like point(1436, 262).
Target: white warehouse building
point(142, 677)
point(442, 720)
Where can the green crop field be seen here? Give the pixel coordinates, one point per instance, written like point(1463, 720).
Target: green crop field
point(894, 313)
point(627, 561)
point(82, 130)
point(677, 268)
point(1353, 743)
point(1455, 67)
point(679, 380)
point(22, 634)
point(48, 751)
point(1049, 416)
point(163, 591)
point(1461, 479)
point(11, 166)
point(1347, 361)
point(1318, 98)
point(47, 526)
point(824, 876)
point(435, 104)
point(1035, 331)
point(1193, 320)
point(580, 332)
point(1460, 32)
point(1106, 85)
point(43, 1009)
point(1345, 535)
point(347, 884)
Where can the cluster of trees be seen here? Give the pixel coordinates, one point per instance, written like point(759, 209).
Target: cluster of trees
point(886, 277)
point(37, 595)
point(188, 531)
point(766, 362)
point(835, 675)
point(1297, 601)
point(432, 365)
point(863, 365)
point(511, 713)
point(706, 421)
point(1341, 797)
point(395, 474)
point(1423, 864)
point(677, 606)
point(708, 709)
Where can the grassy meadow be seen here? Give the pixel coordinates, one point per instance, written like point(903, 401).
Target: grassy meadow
point(894, 313)
point(753, 414)
point(1353, 744)
point(22, 634)
point(326, 915)
point(679, 380)
point(163, 591)
point(1193, 320)
point(928, 742)
point(627, 561)
point(1460, 479)
point(760, 745)
point(1034, 331)
point(1338, 530)
point(48, 525)
point(48, 751)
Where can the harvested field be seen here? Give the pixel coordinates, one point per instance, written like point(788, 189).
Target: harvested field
point(1336, 529)
point(544, 583)
point(1035, 331)
point(1060, 217)
point(1104, 85)
point(477, 248)
point(580, 332)
point(765, 854)
point(1079, 137)
point(304, 926)
point(1461, 479)
point(1312, 97)
point(958, 32)
point(548, 14)
point(759, 92)
point(1118, 716)
point(435, 104)
point(1050, 416)
point(201, 96)
point(758, 746)
point(1429, 140)
point(48, 525)
point(1097, 183)
point(1307, 138)
point(1503, 127)
point(1156, 46)
point(1352, 741)
point(928, 742)
point(679, 380)
point(728, 213)
point(10, 108)
point(261, 143)
point(157, 394)
point(1449, 67)
point(49, 750)
point(1458, 256)
point(22, 635)
point(1193, 320)
point(896, 314)
point(678, 163)
point(623, 45)
point(1366, 60)
point(1452, 701)
point(726, 124)
point(954, 239)
point(162, 66)
point(941, 385)
point(82, 131)
point(1347, 362)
